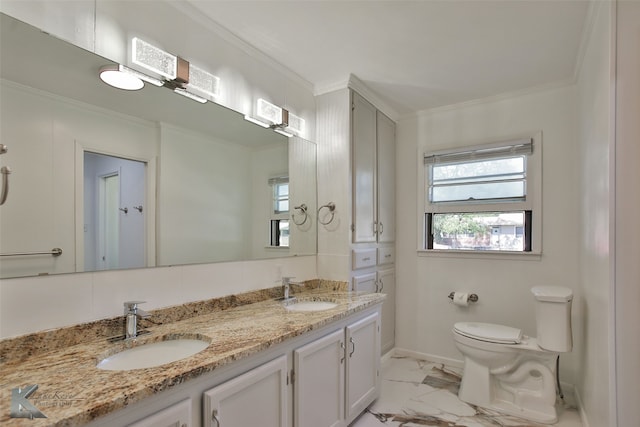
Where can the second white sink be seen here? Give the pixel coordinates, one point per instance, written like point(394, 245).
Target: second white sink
point(152, 354)
point(311, 306)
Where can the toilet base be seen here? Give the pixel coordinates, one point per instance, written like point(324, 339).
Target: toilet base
point(512, 393)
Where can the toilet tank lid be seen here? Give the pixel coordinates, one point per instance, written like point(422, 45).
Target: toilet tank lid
point(489, 332)
point(552, 293)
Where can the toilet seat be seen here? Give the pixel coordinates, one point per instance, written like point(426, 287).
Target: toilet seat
point(489, 332)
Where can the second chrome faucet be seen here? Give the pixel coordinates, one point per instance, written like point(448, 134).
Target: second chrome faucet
point(131, 313)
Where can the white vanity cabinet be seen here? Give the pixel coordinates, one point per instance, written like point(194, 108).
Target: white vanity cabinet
point(256, 398)
point(337, 376)
point(321, 378)
point(178, 415)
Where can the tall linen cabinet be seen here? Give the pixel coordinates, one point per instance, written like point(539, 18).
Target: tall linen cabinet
point(357, 143)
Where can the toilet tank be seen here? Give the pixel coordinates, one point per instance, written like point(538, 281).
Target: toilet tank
point(553, 317)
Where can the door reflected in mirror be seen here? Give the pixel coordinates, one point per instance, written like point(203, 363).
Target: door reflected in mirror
point(114, 216)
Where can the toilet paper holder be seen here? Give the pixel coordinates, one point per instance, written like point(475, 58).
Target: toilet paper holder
point(472, 297)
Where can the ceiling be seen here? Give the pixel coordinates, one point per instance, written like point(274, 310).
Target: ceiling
point(415, 55)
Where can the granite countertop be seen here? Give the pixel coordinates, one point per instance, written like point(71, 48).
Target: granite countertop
point(72, 391)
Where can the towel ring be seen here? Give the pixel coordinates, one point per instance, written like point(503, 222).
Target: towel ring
point(332, 207)
point(303, 209)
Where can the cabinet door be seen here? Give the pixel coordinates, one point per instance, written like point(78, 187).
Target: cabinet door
point(363, 140)
point(178, 415)
point(319, 382)
point(386, 178)
point(256, 398)
point(363, 364)
point(387, 285)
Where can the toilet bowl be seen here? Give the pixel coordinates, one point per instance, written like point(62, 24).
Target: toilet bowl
point(512, 373)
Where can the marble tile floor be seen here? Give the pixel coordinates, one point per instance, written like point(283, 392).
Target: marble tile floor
point(417, 393)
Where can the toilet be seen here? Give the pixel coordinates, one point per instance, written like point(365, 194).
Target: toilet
point(512, 373)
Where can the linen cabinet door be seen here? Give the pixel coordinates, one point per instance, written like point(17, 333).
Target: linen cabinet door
point(363, 141)
point(256, 398)
point(386, 179)
point(319, 382)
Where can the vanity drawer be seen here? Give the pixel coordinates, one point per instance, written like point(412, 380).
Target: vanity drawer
point(362, 258)
point(386, 256)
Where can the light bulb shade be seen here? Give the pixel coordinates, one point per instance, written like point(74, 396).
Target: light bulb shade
point(269, 112)
point(113, 75)
point(203, 81)
point(154, 59)
point(296, 124)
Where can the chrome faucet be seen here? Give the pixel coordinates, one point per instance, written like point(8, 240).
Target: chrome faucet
point(286, 281)
point(131, 313)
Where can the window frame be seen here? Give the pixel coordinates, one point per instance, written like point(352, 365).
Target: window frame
point(532, 204)
point(276, 216)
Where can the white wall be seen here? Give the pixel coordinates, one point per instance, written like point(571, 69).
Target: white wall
point(627, 206)
point(334, 166)
point(594, 103)
point(425, 316)
point(198, 221)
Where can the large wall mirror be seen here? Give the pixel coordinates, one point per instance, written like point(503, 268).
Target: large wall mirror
point(126, 179)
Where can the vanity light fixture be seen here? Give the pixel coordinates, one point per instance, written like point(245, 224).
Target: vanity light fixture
point(256, 121)
point(203, 81)
point(142, 76)
point(269, 112)
point(296, 124)
point(114, 75)
point(190, 95)
point(154, 59)
point(276, 118)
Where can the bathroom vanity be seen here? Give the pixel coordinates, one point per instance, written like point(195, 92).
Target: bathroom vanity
point(266, 365)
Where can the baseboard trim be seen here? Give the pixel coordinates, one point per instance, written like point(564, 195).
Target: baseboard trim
point(583, 414)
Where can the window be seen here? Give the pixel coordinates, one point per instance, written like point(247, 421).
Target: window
point(279, 217)
point(483, 198)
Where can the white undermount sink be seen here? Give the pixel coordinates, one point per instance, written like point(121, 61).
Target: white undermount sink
point(304, 305)
point(152, 354)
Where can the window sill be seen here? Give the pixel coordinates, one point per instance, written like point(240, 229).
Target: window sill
point(501, 255)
